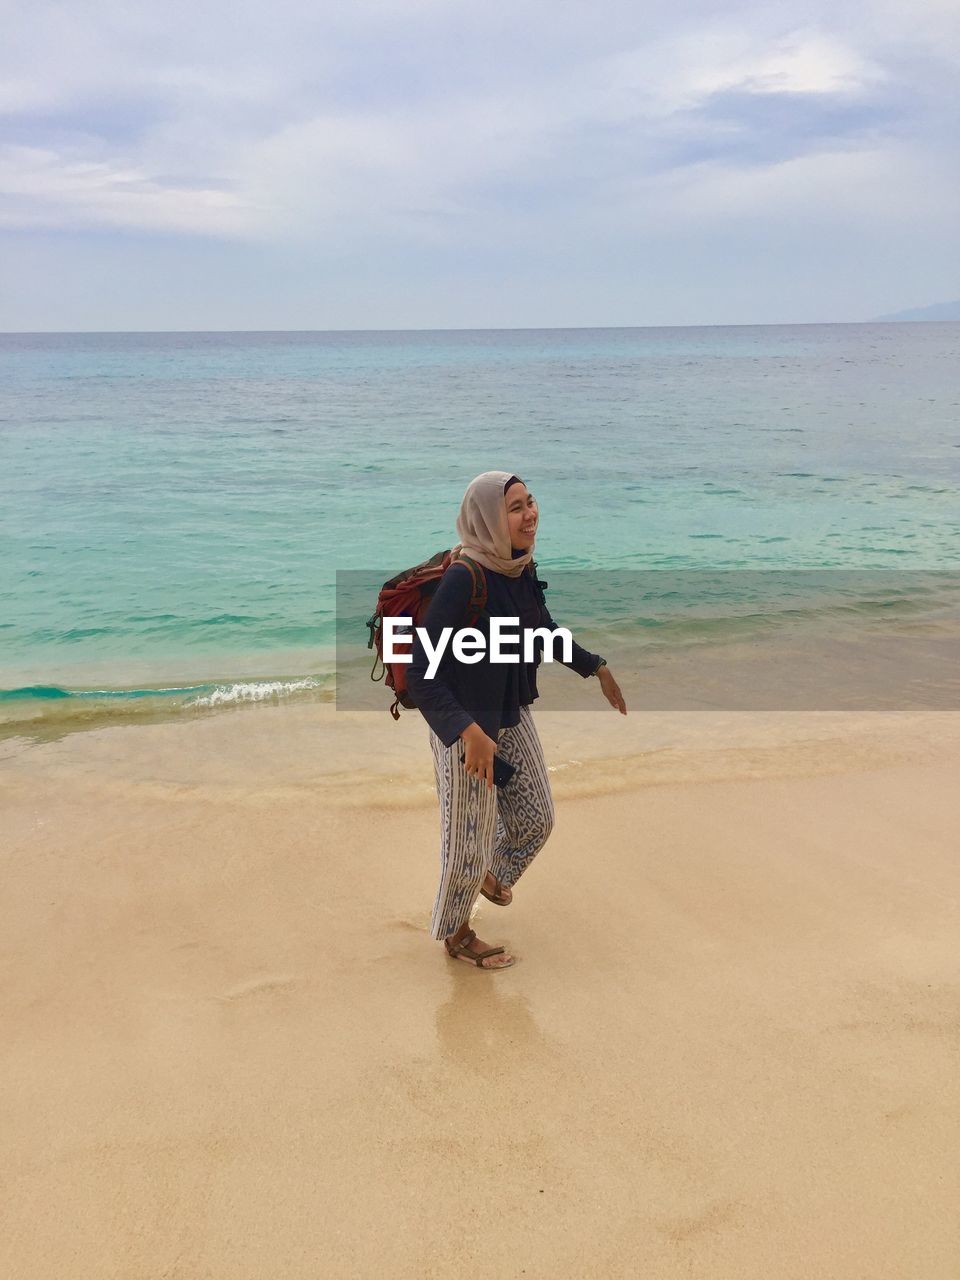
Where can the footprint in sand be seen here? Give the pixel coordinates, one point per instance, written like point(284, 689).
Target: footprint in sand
point(262, 986)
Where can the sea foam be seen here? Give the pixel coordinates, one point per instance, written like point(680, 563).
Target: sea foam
point(252, 691)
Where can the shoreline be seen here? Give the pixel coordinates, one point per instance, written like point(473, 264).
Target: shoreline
point(354, 758)
point(913, 669)
point(870, 639)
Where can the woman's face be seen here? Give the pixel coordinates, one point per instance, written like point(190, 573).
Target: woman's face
point(522, 516)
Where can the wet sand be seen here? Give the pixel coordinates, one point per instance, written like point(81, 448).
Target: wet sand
point(729, 1048)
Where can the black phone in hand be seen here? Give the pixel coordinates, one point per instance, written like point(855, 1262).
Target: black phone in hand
point(503, 770)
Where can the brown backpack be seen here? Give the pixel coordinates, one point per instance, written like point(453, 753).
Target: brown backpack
point(407, 595)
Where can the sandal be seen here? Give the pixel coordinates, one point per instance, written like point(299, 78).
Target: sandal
point(460, 950)
point(503, 895)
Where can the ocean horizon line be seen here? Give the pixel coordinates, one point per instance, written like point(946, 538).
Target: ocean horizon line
point(555, 328)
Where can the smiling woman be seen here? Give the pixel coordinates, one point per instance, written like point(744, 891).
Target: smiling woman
point(489, 837)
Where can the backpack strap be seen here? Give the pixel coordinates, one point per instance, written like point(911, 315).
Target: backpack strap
point(539, 585)
point(478, 596)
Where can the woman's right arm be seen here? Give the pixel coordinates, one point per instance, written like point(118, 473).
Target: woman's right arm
point(434, 698)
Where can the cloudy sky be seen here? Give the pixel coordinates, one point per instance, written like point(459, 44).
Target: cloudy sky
point(434, 163)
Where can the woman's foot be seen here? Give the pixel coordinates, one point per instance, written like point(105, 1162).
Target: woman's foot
point(465, 945)
point(496, 891)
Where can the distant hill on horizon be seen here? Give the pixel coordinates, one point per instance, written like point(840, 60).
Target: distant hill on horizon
point(939, 311)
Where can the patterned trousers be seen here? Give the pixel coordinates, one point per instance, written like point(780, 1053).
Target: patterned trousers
point(500, 830)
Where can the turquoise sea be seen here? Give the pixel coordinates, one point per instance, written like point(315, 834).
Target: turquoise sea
point(174, 507)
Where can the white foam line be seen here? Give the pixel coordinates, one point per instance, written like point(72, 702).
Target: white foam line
point(254, 691)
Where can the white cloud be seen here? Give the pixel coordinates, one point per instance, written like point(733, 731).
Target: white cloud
point(805, 194)
point(800, 62)
point(468, 127)
point(44, 189)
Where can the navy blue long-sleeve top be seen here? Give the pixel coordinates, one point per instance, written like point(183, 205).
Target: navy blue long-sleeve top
point(487, 692)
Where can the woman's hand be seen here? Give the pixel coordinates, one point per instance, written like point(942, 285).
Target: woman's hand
point(478, 756)
point(611, 690)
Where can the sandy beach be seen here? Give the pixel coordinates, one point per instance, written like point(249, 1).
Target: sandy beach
point(728, 1049)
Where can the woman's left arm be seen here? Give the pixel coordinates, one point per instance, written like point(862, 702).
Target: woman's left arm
point(588, 664)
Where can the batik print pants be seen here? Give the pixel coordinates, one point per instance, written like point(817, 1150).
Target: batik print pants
point(500, 830)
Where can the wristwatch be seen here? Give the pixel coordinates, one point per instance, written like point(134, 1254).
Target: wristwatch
point(596, 670)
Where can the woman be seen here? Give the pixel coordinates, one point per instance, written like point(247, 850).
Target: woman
point(489, 837)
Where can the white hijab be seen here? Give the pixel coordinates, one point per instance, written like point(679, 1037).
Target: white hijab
point(482, 525)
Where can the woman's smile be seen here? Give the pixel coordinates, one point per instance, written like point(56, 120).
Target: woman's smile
point(522, 514)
